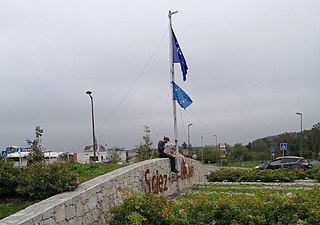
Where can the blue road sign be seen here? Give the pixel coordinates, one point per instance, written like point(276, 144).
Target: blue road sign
point(283, 146)
point(4, 153)
point(271, 149)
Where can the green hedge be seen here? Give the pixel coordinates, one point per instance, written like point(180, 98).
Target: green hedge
point(279, 175)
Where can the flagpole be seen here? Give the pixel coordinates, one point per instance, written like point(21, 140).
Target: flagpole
point(175, 127)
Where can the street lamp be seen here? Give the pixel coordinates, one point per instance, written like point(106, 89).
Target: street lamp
point(216, 139)
point(202, 149)
point(93, 132)
point(190, 124)
point(300, 114)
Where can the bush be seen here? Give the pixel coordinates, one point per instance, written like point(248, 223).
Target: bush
point(8, 178)
point(231, 175)
point(279, 175)
point(141, 208)
point(199, 209)
point(39, 180)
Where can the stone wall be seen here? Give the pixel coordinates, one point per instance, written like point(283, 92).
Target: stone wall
point(91, 201)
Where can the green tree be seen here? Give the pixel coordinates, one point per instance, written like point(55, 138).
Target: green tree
point(36, 154)
point(313, 141)
point(144, 150)
point(260, 149)
point(240, 153)
point(211, 154)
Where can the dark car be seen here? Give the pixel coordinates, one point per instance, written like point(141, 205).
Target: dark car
point(290, 162)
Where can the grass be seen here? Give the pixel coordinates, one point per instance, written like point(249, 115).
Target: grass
point(92, 170)
point(11, 206)
point(86, 172)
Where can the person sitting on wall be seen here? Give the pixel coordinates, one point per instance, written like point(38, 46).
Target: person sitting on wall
point(162, 146)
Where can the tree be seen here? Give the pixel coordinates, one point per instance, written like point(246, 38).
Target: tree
point(145, 151)
point(211, 154)
point(260, 149)
point(36, 154)
point(313, 141)
point(115, 154)
point(240, 153)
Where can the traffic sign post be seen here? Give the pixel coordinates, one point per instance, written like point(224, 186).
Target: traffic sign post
point(271, 149)
point(283, 147)
point(4, 153)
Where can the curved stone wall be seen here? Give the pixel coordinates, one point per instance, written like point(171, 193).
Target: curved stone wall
point(91, 201)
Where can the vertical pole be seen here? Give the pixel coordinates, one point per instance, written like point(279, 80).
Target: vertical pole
point(301, 135)
point(188, 136)
point(190, 124)
point(93, 132)
point(175, 127)
point(216, 140)
point(300, 114)
point(202, 149)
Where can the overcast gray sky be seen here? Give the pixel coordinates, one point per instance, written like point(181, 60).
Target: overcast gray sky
point(252, 65)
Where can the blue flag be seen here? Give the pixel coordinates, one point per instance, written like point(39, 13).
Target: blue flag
point(178, 56)
point(178, 94)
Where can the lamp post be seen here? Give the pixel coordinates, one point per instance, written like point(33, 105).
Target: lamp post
point(216, 139)
point(93, 132)
point(190, 124)
point(202, 149)
point(300, 114)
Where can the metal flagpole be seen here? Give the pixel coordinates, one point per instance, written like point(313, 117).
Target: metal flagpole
point(175, 127)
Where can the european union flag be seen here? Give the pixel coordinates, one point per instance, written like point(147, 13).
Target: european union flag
point(178, 56)
point(178, 94)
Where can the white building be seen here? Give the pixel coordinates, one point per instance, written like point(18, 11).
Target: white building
point(103, 154)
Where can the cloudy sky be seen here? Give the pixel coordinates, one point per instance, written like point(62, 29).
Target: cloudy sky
point(252, 66)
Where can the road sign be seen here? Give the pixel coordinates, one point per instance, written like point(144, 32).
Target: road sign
point(271, 149)
point(283, 146)
point(4, 153)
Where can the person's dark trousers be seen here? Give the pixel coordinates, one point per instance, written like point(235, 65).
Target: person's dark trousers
point(172, 160)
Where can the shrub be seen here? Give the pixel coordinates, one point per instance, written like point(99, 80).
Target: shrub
point(279, 175)
point(39, 180)
point(8, 178)
point(141, 208)
point(196, 209)
point(231, 175)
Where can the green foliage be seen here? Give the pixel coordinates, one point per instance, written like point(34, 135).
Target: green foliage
point(141, 209)
point(225, 175)
point(36, 154)
point(145, 151)
point(196, 209)
point(10, 206)
point(211, 154)
point(90, 170)
point(314, 173)
point(280, 175)
point(8, 178)
point(40, 180)
point(262, 207)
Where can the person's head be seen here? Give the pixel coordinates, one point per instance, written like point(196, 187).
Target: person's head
point(166, 139)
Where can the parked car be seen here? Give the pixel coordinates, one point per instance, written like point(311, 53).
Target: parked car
point(290, 162)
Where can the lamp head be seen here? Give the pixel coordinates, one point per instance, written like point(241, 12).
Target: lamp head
point(88, 92)
point(298, 113)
